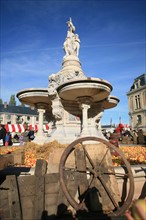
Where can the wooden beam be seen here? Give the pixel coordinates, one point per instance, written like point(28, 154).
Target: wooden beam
point(39, 203)
point(5, 160)
point(14, 198)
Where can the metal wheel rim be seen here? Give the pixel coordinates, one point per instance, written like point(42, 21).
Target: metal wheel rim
point(69, 197)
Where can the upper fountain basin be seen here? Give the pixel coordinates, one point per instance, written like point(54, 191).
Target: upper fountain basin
point(34, 96)
point(95, 88)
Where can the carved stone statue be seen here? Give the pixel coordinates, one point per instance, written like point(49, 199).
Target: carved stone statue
point(71, 27)
point(76, 44)
point(72, 42)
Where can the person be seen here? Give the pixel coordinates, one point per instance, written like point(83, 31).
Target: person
point(16, 137)
point(140, 136)
point(129, 134)
point(2, 134)
point(21, 139)
point(7, 138)
point(31, 134)
point(10, 139)
point(25, 135)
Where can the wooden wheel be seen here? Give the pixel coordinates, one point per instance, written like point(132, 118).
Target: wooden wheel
point(94, 179)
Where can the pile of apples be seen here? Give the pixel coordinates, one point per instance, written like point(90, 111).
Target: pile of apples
point(30, 159)
point(135, 155)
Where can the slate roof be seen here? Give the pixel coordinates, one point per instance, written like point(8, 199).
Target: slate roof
point(142, 79)
point(20, 110)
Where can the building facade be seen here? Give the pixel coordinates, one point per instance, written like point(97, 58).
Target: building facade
point(17, 115)
point(137, 103)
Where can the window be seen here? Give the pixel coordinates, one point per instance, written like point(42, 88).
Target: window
point(28, 118)
point(18, 118)
point(136, 85)
point(139, 105)
point(139, 119)
point(8, 117)
point(137, 102)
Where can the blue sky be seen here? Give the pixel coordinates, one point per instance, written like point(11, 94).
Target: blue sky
point(113, 44)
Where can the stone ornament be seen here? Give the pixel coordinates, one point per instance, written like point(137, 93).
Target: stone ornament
point(72, 42)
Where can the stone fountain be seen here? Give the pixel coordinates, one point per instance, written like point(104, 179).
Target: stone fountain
point(73, 103)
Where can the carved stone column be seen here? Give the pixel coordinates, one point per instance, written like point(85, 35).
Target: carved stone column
point(84, 103)
point(41, 121)
point(85, 130)
point(32, 120)
point(13, 119)
point(40, 137)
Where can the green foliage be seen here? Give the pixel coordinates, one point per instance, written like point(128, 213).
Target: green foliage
point(12, 101)
point(1, 101)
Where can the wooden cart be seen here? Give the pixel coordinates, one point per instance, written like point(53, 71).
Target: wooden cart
point(84, 188)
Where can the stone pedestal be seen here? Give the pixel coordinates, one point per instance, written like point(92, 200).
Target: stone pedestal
point(70, 65)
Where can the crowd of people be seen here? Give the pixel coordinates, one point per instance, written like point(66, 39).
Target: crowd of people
point(8, 137)
point(29, 135)
point(122, 133)
point(133, 135)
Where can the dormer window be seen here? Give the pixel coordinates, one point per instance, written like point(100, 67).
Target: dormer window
point(137, 84)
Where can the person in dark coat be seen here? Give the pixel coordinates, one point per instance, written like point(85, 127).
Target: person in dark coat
point(2, 134)
point(31, 134)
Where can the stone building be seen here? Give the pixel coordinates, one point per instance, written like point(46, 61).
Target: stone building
point(137, 103)
point(17, 114)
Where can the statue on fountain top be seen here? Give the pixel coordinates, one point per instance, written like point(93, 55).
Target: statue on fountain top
point(71, 27)
point(71, 66)
point(72, 42)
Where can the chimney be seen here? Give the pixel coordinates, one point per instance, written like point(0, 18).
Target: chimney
point(5, 104)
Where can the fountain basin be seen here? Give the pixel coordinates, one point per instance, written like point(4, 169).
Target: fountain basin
point(110, 102)
point(96, 88)
point(34, 96)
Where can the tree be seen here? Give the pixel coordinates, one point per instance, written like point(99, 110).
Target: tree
point(12, 100)
point(22, 104)
point(1, 101)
